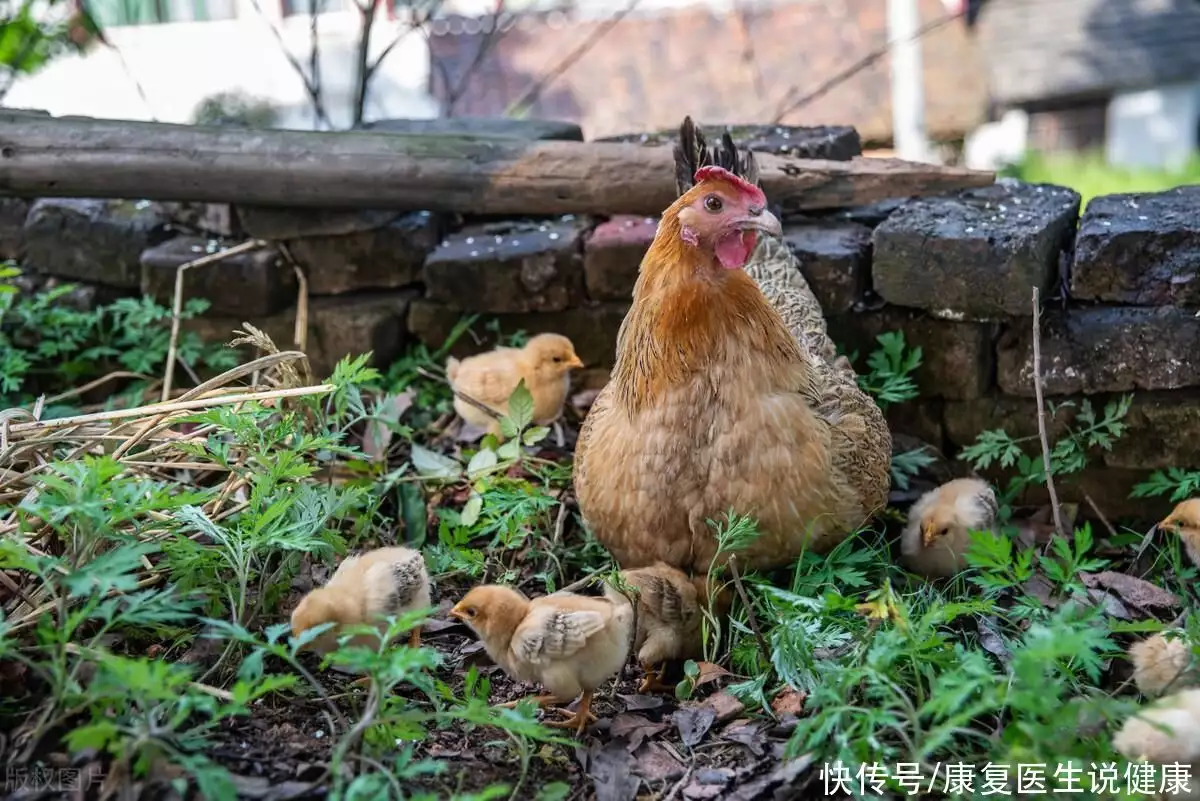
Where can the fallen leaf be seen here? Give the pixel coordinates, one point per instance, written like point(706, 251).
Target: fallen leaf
point(655, 764)
point(1040, 588)
point(771, 786)
point(1132, 590)
point(610, 767)
point(702, 792)
point(378, 434)
point(693, 723)
point(990, 639)
point(709, 672)
point(635, 728)
point(725, 705)
point(789, 702)
point(635, 703)
point(434, 465)
point(747, 734)
point(1112, 606)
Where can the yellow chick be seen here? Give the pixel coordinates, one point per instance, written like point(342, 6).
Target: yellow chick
point(1141, 738)
point(570, 644)
point(1184, 520)
point(935, 541)
point(544, 363)
point(1161, 664)
point(668, 620)
point(365, 588)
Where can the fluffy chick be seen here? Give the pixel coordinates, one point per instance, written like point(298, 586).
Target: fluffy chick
point(365, 588)
point(570, 644)
point(1160, 664)
point(544, 363)
point(934, 543)
point(1184, 520)
point(1142, 739)
point(668, 619)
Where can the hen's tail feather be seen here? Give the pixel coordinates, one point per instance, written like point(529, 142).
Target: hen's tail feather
point(692, 153)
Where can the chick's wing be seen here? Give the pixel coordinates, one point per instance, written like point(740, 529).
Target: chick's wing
point(554, 630)
point(664, 598)
point(490, 377)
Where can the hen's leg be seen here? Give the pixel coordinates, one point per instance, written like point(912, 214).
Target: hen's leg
point(575, 720)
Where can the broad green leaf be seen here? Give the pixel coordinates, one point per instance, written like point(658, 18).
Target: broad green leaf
point(535, 435)
point(482, 461)
point(434, 465)
point(470, 512)
point(520, 406)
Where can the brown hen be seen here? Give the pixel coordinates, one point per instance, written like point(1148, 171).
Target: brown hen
point(726, 393)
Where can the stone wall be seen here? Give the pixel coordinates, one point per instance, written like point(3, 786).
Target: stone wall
point(953, 273)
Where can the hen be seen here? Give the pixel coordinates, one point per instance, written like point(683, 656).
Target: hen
point(726, 392)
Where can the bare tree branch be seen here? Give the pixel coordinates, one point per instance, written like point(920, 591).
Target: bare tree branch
point(490, 37)
point(531, 95)
point(314, 56)
point(417, 21)
point(787, 105)
point(311, 86)
point(366, 12)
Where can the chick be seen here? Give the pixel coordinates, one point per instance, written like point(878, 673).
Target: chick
point(1160, 664)
point(1141, 738)
point(935, 541)
point(544, 363)
point(570, 644)
point(668, 619)
point(1184, 520)
point(365, 588)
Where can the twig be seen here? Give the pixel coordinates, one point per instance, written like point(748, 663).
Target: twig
point(177, 305)
point(687, 774)
point(490, 37)
point(751, 618)
point(782, 110)
point(477, 404)
point(583, 582)
point(416, 22)
point(1041, 413)
point(314, 50)
point(1112, 531)
point(366, 23)
point(531, 95)
point(310, 85)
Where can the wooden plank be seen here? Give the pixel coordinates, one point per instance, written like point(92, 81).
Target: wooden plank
point(83, 157)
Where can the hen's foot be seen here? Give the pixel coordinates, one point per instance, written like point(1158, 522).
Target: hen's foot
point(540, 700)
point(653, 682)
point(574, 720)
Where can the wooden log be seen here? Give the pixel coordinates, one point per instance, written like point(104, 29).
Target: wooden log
point(83, 157)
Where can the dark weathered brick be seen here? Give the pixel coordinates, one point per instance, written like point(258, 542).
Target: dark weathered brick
point(210, 219)
point(834, 142)
point(957, 358)
point(612, 255)
point(975, 254)
point(98, 241)
point(250, 284)
point(1141, 249)
point(387, 257)
point(1162, 428)
point(510, 267)
point(592, 329)
point(835, 259)
point(274, 223)
point(347, 325)
point(13, 213)
point(1102, 349)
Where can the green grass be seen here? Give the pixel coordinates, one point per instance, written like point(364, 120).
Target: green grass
point(1090, 176)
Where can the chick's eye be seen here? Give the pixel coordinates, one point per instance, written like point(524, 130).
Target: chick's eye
point(712, 203)
point(558, 359)
point(470, 611)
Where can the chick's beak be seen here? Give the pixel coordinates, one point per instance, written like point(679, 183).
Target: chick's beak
point(457, 612)
point(927, 534)
point(575, 362)
point(763, 221)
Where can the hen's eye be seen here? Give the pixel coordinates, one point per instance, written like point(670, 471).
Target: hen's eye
point(712, 203)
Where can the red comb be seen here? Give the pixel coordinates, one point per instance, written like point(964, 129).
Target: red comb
point(715, 173)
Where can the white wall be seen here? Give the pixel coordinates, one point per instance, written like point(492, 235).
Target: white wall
point(996, 144)
point(1154, 128)
point(179, 64)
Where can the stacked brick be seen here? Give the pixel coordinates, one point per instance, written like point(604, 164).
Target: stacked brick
point(1119, 284)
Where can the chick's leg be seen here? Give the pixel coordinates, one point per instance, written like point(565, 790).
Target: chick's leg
point(574, 720)
point(540, 700)
point(414, 639)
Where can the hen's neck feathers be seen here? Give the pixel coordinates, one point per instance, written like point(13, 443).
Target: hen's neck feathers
point(687, 316)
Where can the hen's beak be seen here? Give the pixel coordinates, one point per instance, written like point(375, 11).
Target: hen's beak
point(764, 221)
point(928, 535)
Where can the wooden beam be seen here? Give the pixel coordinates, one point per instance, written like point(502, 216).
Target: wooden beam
point(82, 157)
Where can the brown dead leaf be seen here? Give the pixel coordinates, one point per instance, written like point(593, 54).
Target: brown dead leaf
point(1039, 587)
point(724, 705)
point(610, 767)
point(635, 728)
point(693, 723)
point(1132, 590)
point(709, 672)
point(1112, 606)
point(748, 734)
point(635, 703)
point(789, 702)
point(990, 639)
point(654, 763)
point(378, 435)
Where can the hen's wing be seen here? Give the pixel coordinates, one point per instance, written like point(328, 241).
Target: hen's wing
point(861, 443)
point(550, 632)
